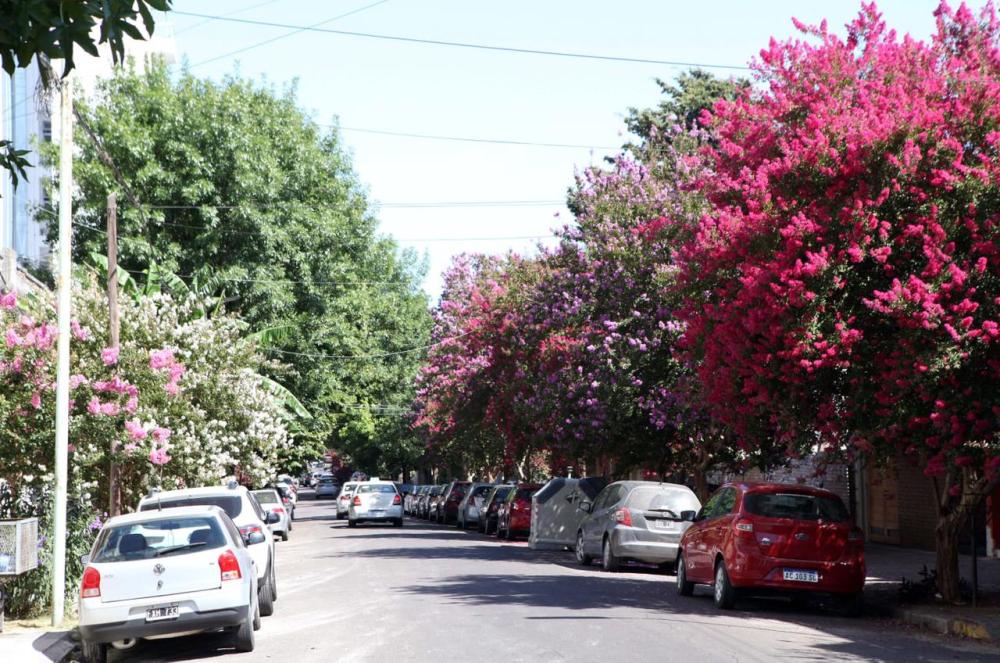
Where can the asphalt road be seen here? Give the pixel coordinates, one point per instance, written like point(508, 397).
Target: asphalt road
point(430, 593)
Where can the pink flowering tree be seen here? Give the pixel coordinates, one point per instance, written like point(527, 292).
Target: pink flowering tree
point(844, 288)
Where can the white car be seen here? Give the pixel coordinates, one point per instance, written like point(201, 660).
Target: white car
point(270, 500)
point(344, 499)
point(159, 574)
point(252, 520)
point(375, 501)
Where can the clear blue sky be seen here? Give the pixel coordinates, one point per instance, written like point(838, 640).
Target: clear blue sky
point(427, 89)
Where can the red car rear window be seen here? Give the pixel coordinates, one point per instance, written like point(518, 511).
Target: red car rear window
point(797, 506)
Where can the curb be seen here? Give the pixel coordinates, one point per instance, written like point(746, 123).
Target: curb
point(968, 628)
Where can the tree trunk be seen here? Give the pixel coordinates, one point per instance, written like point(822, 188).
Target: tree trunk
point(946, 540)
point(700, 485)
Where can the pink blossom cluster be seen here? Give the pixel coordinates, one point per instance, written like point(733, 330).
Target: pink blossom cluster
point(164, 360)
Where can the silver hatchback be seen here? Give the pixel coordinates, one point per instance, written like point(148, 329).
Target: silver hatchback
point(635, 520)
point(376, 501)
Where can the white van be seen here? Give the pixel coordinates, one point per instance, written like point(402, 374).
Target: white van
point(555, 517)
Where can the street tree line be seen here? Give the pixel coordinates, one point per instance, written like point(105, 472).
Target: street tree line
point(806, 265)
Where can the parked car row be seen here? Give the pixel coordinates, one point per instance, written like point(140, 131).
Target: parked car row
point(748, 538)
point(187, 561)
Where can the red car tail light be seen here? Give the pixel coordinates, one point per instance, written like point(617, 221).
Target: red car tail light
point(397, 500)
point(247, 530)
point(91, 585)
point(357, 501)
point(278, 509)
point(623, 517)
point(743, 526)
point(229, 566)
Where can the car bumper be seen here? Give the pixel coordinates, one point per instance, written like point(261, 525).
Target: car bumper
point(391, 513)
point(652, 552)
point(137, 627)
point(838, 577)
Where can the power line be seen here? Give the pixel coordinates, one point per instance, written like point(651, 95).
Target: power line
point(377, 355)
point(287, 34)
point(466, 139)
point(483, 47)
point(391, 205)
point(233, 13)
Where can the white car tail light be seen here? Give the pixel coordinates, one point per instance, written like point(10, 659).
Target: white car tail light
point(229, 566)
point(91, 585)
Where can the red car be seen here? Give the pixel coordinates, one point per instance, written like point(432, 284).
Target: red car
point(514, 514)
point(773, 538)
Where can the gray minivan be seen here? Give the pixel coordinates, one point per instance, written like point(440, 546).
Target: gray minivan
point(555, 513)
point(635, 520)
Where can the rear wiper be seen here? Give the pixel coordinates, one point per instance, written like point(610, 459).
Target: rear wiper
point(660, 508)
point(186, 546)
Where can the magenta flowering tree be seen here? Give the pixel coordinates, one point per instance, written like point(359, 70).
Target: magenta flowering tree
point(843, 287)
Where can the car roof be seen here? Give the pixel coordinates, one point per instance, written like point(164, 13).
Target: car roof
point(220, 491)
point(635, 484)
point(173, 512)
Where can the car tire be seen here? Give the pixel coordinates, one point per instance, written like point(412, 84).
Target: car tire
point(352, 523)
point(94, 652)
point(723, 592)
point(274, 585)
point(256, 616)
point(398, 522)
point(265, 600)
point(243, 638)
point(609, 561)
point(684, 586)
point(284, 536)
point(509, 533)
point(581, 556)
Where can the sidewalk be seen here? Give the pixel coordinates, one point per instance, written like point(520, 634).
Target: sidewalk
point(28, 645)
point(888, 565)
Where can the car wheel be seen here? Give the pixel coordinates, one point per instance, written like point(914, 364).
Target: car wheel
point(352, 523)
point(724, 593)
point(398, 522)
point(265, 600)
point(581, 556)
point(94, 652)
point(274, 585)
point(243, 638)
point(684, 586)
point(284, 536)
point(256, 616)
point(609, 561)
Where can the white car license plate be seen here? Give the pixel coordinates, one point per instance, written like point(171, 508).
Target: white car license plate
point(664, 524)
point(798, 575)
point(162, 613)
point(378, 510)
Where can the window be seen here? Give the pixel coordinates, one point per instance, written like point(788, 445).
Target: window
point(231, 504)
point(159, 538)
point(719, 504)
point(266, 497)
point(377, 488)
point(797, 506)
point(669, 501)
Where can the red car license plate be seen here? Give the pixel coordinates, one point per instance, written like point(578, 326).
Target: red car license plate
point(800, 575)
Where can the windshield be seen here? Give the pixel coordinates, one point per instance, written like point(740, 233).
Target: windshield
point(231, 504)
point(481, 490)
point(797, 506)
point(266, 496)
point(377, 488)
point(159, 538)
point(349, 487)
point(670, 501)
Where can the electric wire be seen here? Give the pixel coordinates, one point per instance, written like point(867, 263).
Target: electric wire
point(467, 45)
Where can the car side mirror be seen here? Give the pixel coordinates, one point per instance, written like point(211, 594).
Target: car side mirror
point(254, 538)
point(689, 516)
point(85, 559)
point(272, 518)
point(586, 506)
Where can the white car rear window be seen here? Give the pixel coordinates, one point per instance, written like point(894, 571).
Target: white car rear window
point(158, 538)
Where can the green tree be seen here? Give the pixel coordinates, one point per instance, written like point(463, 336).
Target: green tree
point(240, 188)
point(54, 28)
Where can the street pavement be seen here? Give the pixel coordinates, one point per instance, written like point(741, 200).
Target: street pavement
point(430, 593)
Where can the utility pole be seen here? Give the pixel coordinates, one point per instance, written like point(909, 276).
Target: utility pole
point(114, 477)
point(64, 281)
